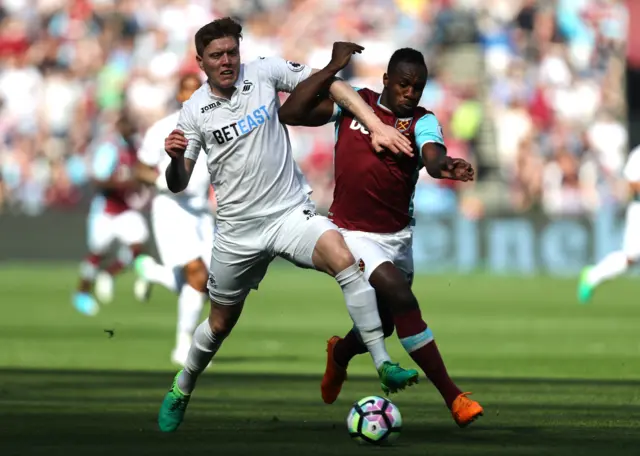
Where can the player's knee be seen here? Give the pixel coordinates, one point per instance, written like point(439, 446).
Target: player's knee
point(405, 299)
point(331, 253)
point(196, 275)
point(223, 318)
point(392, 288)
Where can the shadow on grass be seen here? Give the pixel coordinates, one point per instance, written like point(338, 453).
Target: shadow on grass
point(107, 412)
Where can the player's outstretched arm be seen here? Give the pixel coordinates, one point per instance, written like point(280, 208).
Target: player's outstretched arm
point(309, 102)
point(382, 136)
point(441, 166)
point(307, 105)
point(146, 174)
point(115, 183)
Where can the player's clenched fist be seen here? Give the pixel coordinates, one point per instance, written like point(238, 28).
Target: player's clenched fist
point(176, 144)
point(457, 169)
point(341, 54)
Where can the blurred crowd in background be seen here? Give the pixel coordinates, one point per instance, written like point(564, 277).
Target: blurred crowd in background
point(549, 93)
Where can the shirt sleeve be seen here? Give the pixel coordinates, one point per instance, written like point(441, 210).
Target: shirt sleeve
point(285, 74)
point(631, 170)
point(337, 110)
point(428, 130)
point(187, 122)
point(105, 161)
point(151, 152)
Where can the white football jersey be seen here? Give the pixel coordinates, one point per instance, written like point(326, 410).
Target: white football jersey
point(152, 153)
point(248, 151)
point(632, 168)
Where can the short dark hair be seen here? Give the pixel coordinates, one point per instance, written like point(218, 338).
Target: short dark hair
point(405, 55)
point(219, 28)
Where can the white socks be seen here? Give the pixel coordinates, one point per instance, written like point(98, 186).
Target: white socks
point(190, 303)
point(363, 309)
point(204, 347)
point(611, 266)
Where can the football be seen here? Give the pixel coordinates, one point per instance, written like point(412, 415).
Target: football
point(374, 420)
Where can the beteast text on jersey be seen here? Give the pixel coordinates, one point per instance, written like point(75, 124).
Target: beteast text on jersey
point(242, 127)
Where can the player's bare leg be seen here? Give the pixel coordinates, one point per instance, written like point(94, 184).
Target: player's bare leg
point(332, 256)
point(190, 303)
point(83, 301)
point(416, 338)
point(207, 339)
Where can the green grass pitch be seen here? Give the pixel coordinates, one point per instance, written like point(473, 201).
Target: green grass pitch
point(555, 378)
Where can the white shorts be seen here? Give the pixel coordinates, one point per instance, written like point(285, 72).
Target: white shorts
point(631, 240)
point(375, 249)
point(182, 234)
point(128, 228)
point(243, 250)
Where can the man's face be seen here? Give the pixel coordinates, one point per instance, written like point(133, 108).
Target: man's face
point(221, 62)
point(405, 85)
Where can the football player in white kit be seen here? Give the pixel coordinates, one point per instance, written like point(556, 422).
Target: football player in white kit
point(264, 209)
point(618, 262)
point(185, 258)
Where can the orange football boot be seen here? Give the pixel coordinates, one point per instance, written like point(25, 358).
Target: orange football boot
point(465, 410)
point(334, 375)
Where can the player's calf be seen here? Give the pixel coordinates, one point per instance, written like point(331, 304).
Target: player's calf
point(82, 299)
point(417, 339)
point(347, 348)
point(88, 271)
point(190, 303)
point(207, 339)
point(332, 256)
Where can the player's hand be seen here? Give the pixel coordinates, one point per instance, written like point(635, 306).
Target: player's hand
point(387, 137)
point(457, 169)
point(341, 54)
point(176, 144)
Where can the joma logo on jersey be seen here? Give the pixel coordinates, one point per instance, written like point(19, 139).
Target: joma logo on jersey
point(243, 126)
point(355, 125)
point(209, 107)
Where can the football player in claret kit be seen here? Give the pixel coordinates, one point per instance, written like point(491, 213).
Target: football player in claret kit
point(372, 205)
point(264, 209)
point(113, 216)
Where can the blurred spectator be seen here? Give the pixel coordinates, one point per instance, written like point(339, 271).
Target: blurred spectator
point(67, 66)
point(556, 99)
point(553, 75)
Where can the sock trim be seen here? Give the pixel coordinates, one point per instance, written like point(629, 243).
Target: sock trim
point(417, 341)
